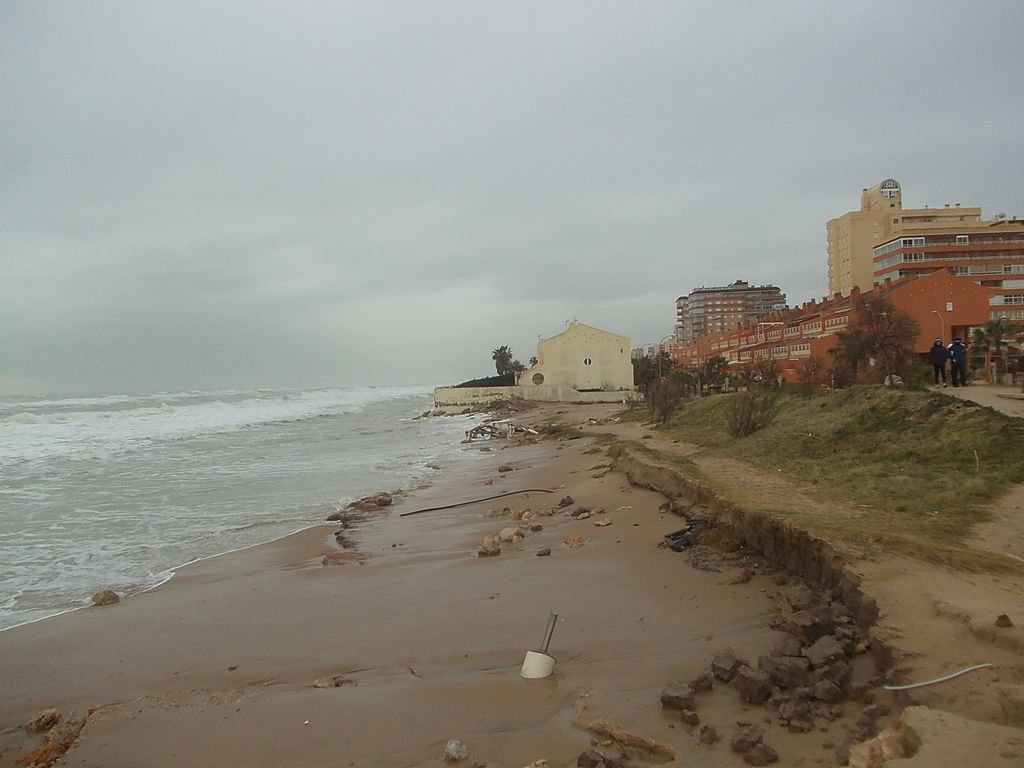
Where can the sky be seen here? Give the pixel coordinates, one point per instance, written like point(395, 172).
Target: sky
point(208, 195)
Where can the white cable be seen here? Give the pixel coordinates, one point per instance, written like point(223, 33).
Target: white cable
point(936, 680)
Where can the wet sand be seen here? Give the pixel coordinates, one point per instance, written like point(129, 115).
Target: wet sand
point(217, 666)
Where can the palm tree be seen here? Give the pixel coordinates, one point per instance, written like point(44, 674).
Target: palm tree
point(502, 357)
point(991, 338)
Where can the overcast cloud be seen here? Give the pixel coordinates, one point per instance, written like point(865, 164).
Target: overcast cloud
point(236, 194)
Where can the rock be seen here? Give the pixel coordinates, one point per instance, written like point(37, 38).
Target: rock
point(872, 713)
point(506, 468)
point(827, 691)
point(1011, 700)
point(787, 671)
point(544, 552)
point(702, 682)
point(488, 481)
point(566, 502)
point(837, 673)
point(490, 547)
point(760, 754)
point(575, 541)
point(590, 759)
point(800, 726)
point(708, 734)
point(335, 517)
point(603, 522)
point(677, 695)
point(795, 709)
point(689, 717)
point(536, 527)
point(745, 737)
point(798, 597)
point(754, 685)
point(510, 536)
point(743, 576)
point(725, 663)
point(808, 626)
point(787, 646)
point(43, 721)
point(369, 503)
point(545, 511)
point(105, 597)
point(896, 742)
point(579, 512)
point(1003, 621)
point(454, 751)
point(824, 651)
point(582, 515)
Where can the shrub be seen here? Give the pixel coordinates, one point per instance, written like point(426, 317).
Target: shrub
point(749, 412)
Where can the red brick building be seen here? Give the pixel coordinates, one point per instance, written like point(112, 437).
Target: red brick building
point(944, 305)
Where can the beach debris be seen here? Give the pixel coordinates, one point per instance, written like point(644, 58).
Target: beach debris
point(43, 721)
point(896, 742)
point(505, 428)
point(545, 511)
point(58, 741)
point(510, 535)
point(579, 512)
point(604, 521)
point(488, 481)
point(506, 468)
point(538, 664)
point(536, 527)
point(648, 748)
point(333, 681)
point(105, 597)
point(574, 541)
point(582, 516)
point(372, 502)
point(725, 663)
point(454, 751)
point(490, 546)
point(566, 501)
point(1003, 621)
point(708, 734)
point(677, 695)
point(545, 552)
point(538, 764)
point(232, 667)
point(679, 540)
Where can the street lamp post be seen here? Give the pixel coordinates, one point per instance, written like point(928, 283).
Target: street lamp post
point(943, 321)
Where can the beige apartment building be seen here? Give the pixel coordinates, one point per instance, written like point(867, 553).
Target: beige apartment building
point(853, 236)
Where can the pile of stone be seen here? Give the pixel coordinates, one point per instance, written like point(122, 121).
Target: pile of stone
point(805, 678)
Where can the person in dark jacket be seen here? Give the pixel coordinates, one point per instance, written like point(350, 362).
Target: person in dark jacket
point(958, 362)
point(937, 356)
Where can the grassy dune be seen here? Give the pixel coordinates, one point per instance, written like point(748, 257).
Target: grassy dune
point(919, 468)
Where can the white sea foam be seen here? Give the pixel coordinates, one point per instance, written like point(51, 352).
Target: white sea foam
point(116, 492)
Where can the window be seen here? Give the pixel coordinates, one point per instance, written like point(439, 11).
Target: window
point(587, 361)
point(962, 239)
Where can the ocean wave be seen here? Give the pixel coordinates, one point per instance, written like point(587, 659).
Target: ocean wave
point(118, 423)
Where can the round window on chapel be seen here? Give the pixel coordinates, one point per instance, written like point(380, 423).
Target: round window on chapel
point(587, 361)
point(538, 378)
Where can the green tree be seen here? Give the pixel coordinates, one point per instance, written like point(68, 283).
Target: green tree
point(502, 357)
point(533, 361)
point(518, 366)
point(849, 353)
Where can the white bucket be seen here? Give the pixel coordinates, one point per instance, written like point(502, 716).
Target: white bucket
point(537, 665)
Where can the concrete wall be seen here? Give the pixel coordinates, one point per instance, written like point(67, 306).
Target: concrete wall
point(460, 398)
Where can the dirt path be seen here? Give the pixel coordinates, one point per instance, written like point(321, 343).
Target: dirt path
point(1008, 400)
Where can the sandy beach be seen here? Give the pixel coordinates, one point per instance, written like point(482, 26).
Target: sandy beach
point(268, 657)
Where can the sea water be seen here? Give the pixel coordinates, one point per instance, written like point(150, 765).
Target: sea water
point(115, 491)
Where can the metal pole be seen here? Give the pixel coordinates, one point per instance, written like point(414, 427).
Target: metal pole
point(548, 632)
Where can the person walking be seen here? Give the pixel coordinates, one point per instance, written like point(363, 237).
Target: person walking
point(958, 362)
point(937, 356)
